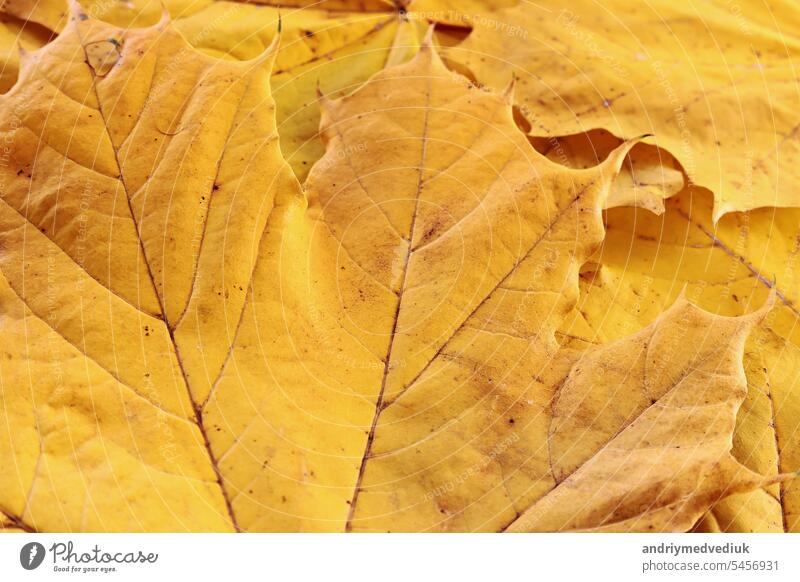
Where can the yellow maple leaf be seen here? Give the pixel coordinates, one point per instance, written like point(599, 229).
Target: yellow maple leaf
point(197, 344)
point(332, 46)
point(729, 268)
point(128, 245)
point(649, 174)
point(715, 86)
point(665, 397)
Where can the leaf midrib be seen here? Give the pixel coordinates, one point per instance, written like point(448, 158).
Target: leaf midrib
point(388, 358)
point(380, 401)
point(198, 416)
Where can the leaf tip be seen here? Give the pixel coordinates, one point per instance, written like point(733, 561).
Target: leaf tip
point(267, 57)
point(275, 44)
point(682, 295)
point(428, 53)
point(617, 156)
point(75, 10)
point(760, 313)
point(326, 106)
point(324, 100)
point(508, 91)
point(165, 18)
point(427, 42)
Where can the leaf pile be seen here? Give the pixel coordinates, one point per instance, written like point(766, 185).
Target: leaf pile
point(297, 268)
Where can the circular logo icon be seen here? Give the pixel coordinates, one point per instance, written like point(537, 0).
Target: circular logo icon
point(31, 555)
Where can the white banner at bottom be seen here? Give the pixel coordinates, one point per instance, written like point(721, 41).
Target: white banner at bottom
point(400, 557)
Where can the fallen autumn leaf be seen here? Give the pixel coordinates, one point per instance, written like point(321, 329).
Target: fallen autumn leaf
point(195, 338)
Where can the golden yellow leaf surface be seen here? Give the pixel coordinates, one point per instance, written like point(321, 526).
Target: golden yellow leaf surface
point(331, 46)
point(55, 14)
point(729, 268)
point(333, 51)
point(335, 5)
point(649, 174)
point(16, 35)
point(192, 342)
point(321, 49)
point(460, 13)
point(9, 525)
point(130, 223)
point(716, 84)
point(666, 397)
point(49, 13)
